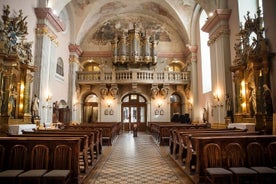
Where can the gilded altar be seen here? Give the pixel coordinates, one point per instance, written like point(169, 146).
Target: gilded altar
point(253, 103)
point(15, 69)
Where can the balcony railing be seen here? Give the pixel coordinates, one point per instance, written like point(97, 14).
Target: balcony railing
point(133, 76)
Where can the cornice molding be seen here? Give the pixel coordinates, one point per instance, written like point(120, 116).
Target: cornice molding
point(159, 55)
point(46, 13)
point(73, 48)
point(97, 54)
point(218, 16)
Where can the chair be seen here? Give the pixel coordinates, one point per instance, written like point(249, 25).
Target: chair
point(62, 166)
point(272, 153)
point(39, 165)
point(235, 161)
point(16, 164)
point(214, 172)
point(256, 161)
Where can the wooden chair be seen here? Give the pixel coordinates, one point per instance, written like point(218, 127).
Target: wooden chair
point(272, 154)
point(62, 166)
point(39, 165)
point(257, 162)
point(16, 166)
point(214, 172)
point(235, 157)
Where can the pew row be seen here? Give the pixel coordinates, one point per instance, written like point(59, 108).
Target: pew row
point(94, 138)
point(51, 143)
point(196, 166)
point(110, 130)
point(161, 130)
point(85, 158)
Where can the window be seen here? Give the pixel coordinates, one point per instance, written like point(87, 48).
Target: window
point(59, 69)
point(205, 56)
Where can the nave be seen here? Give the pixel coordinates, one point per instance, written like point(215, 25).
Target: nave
point(136, 160)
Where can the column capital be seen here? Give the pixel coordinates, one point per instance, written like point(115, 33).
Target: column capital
point(218, 16)
point(74, 48)
point(193, 48)
point(47, 14)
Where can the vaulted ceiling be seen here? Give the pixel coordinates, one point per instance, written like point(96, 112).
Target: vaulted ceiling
point(94, 22)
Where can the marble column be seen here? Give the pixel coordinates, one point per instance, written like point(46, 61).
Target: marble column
point(194, 84)
point(73, 96)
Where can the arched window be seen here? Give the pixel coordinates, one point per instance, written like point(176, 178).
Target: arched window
point(205, 56)
point(60, 69)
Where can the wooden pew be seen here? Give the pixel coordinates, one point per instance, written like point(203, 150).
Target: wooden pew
point(161, 130)
point(175, 138)
point(110, 130)
point(83, 145)
point(98, 132)
point(51, 143)
point(199, 142)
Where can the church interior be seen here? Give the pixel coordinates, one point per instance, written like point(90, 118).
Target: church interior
point(149, 91)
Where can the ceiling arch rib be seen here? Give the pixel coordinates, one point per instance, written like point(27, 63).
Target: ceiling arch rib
point(152, 9)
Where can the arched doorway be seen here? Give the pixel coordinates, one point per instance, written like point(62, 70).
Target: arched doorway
point(134, 108)
point(90, 109)
point(176, 108)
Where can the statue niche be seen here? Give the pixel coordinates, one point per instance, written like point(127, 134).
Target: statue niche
point(251, 74)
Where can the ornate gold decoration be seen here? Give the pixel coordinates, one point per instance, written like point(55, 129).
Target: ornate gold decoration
point(12, 35)
point(222, 30)
point(44, 30)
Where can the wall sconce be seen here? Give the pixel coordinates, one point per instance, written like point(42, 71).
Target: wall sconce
point(48, 98)
point(159, 103)
point(108, 103)
point(217, 99)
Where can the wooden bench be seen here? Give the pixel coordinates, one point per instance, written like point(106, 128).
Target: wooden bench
point(243, 140)
point(175, 138)
point(51, 143)
point(110, 130)
point(161, 130)
point(93, 138)
point(83, 145)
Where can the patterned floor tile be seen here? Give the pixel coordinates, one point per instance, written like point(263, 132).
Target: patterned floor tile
point(137, 160)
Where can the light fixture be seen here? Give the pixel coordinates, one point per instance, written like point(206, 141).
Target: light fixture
point(49, 97)
point(108, 102)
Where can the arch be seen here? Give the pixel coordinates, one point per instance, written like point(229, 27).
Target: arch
point(134, 111)
point(90, 106)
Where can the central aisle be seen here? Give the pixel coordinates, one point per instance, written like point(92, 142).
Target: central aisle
point(137, 160)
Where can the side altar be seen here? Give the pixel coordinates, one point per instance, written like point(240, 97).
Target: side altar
point(252, 95)
point(15, 70)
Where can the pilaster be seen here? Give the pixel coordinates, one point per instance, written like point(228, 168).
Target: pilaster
point(73, 96)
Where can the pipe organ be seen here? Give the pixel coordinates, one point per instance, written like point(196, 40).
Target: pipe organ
point(134, 48)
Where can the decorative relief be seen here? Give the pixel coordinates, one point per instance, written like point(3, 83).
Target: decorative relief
point(12, 35)
point(44, 30)
point(222, 30)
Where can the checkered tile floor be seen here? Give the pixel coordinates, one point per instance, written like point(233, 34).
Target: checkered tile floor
point(138, 160)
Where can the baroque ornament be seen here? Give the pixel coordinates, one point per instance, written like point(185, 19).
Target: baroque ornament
point(12, 35)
